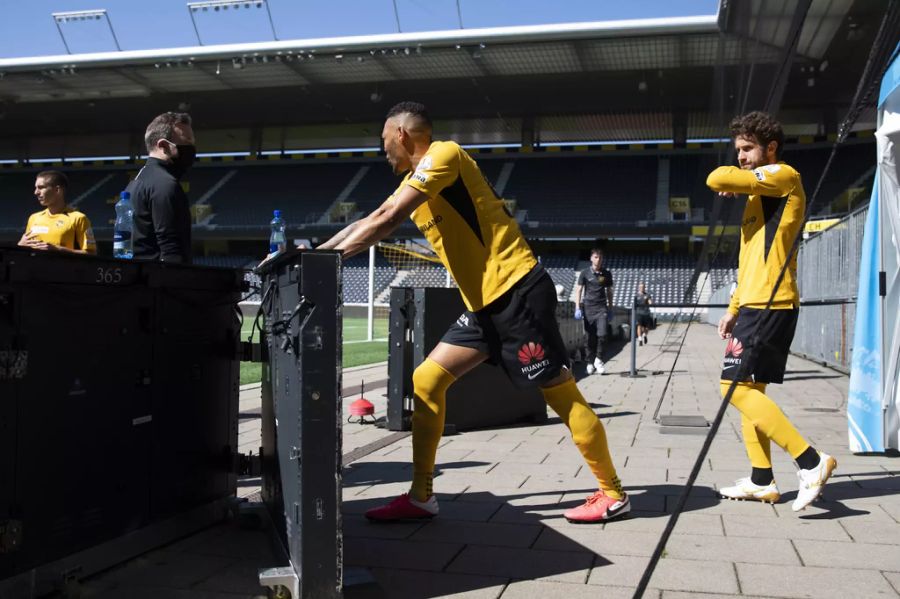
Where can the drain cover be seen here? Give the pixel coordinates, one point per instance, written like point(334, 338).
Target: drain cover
point(683, 420)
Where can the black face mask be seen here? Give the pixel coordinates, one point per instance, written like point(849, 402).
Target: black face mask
point(180, 164)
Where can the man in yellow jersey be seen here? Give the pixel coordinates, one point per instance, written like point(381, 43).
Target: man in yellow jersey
point(759, 339)
point(58, 227)
point(510, 300)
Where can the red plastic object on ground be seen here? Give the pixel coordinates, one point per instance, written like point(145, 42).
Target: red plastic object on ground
point(361, 408)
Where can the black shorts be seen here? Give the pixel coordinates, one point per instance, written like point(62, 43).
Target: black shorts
point(518, 331)
point(645, 320)
point(759, 345)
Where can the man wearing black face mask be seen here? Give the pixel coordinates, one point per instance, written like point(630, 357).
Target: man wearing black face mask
point(162, 216)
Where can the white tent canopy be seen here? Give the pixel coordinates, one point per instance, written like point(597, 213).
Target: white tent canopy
point(874, 396)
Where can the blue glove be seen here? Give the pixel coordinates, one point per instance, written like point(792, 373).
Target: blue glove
point(578, 314)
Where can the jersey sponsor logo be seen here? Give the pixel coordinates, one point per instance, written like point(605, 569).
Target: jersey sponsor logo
point(420, 177)
point(531, 355)
point(531, 352)
point(733, 352)
point(760, 176)
point(38, 229)
point(438, 219)
point(463, 320)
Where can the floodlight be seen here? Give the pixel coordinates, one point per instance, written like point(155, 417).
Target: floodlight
point(82, 15)
point(218, 5)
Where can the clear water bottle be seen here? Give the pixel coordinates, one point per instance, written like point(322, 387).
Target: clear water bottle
point(277, 241)
point(123, 239)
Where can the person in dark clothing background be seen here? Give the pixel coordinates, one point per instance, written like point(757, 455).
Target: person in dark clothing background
point(593, 300)
point(642, 302)
point(162, 216)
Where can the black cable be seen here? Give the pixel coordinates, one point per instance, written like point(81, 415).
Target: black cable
point(267, 297)
point(863, 92)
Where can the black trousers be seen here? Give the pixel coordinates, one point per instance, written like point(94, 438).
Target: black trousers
point(595, 324)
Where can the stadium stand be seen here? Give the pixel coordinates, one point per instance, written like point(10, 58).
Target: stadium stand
point(376, 185)
point(356, 278)
point(562, 269)
point(853, 164)
point(425, 276)
point(580, 189)
point(667, 276)
point(721, 276)
point(585, 189)
point(300, 191)
point(687, 177)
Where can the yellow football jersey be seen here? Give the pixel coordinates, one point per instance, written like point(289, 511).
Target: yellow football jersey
point(69, 228)
point(772, 219)
point(467, 225)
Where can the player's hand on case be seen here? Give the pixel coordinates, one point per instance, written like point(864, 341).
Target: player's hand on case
point(578, 314)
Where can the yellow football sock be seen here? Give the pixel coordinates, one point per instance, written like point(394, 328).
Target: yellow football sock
point(587, 432)
point(759, 446)
point(430, 383)
point(767, 419)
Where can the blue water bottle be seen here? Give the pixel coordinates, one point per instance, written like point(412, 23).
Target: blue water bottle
point(123, 240)
point(277, 241)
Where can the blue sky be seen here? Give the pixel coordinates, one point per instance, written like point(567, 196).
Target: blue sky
point(27, 29)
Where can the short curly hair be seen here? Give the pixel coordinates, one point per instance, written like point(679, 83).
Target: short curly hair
point(759, 126)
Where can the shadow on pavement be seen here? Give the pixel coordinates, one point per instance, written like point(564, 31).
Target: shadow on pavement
point(482, 541)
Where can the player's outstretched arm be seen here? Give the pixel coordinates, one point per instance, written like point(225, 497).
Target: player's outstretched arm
point(338, 237)
point(381, 222)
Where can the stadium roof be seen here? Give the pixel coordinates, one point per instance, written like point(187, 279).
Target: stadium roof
point(617, 80)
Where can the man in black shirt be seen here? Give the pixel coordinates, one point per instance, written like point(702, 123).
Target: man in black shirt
point(162, 216)
point(595, 287)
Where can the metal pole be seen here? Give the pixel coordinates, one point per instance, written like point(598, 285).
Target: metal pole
point(459, 15)
point(271, 22)
point(194, 23)
point(371, 325)
point(115, 39)
point(58, 28)
point(633, 371)
point(397, 16)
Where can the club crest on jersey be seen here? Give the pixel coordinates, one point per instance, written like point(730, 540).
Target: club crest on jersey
point(424, 164)
point(531, 355)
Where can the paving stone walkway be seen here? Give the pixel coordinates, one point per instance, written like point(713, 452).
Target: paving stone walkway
point(502, 493)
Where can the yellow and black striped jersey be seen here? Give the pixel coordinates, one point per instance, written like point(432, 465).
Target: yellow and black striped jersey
point(467, 225)
point(69, 228)
point(772, 220)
